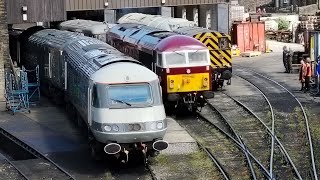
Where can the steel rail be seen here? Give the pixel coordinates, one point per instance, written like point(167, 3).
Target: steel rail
point(33, 151)
point(215, 161)
point(239, 145)
point(237, 136)
point(260, 120)
point(153, 176)
point(13, 165)
point(238, 141)
point(273, 133)
point(272, 129)
point(306, 121)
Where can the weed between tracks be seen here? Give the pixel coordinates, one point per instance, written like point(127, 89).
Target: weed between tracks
point(291, 131)
point(187, 166)
point(314, 123)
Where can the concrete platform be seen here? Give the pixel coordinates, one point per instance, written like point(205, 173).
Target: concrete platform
point(36, 135)
point(180, 142)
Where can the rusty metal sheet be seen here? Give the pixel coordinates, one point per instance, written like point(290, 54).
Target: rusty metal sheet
point(249, 36)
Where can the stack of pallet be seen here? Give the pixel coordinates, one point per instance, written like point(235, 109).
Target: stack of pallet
point(308, 22)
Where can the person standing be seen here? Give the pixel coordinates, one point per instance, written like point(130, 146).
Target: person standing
point(308, 75)
point(289, 60)
point(284, 57)
point(302, 73)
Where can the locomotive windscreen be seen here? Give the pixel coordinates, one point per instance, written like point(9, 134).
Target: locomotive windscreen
point(137, 94)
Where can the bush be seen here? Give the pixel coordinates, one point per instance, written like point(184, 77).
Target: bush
point(283, 24)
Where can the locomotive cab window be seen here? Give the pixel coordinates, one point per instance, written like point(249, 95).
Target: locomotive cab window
point(175, 59)
point(223, 43)
point(198, 57)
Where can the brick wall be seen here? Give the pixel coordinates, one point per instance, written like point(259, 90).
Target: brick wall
point(250, 5)
point(4, 55)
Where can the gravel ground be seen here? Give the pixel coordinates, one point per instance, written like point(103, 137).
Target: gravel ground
point(9, 172)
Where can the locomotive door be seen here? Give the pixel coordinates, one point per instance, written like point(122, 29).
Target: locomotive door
point(90, 103)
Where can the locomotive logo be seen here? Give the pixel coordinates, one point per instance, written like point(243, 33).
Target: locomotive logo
point(127, 78)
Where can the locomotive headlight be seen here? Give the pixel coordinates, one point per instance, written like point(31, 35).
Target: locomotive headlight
point(134, 127)
point(159, 125)
point(115, 128)
point(107, 128)
point(153, 125)
point(205, 82)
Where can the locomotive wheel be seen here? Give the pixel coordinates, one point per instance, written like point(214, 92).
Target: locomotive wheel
point(153, 153)
point(96, 150)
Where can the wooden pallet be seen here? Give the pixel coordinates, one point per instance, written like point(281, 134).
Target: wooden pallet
point(309, 18)
point(251, 54)
point(310, 25)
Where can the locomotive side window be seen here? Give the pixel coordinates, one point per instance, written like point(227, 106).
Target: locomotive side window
point(160, 60)
point(223, 43)
point(95, 102)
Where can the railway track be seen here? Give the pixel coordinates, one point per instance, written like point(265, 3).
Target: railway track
point(252, 132)
point(224, 146)
point(24, 162)
point(290, 127)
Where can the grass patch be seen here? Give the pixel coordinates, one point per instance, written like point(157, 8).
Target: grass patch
point(196, 165)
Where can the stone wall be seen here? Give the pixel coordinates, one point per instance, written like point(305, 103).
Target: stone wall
point(250, 5)
point(4, 45)
point(310, 9)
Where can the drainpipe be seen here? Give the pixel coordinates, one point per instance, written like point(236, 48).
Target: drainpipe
point(277, 3)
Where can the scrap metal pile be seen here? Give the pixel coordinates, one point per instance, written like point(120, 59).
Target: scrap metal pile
point(280, 35)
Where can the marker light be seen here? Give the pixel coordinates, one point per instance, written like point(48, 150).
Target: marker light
point(171, 85)
point(205, 82)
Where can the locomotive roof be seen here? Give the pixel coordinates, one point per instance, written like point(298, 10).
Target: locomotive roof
point(85, 26)
point(179, 42)
point(192, 31)
point(154, 39)
point(120, 72)
point(178, 25)
point(157, 21)
point(85, 53)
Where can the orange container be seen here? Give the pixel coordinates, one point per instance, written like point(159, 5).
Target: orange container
point(249, 36)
